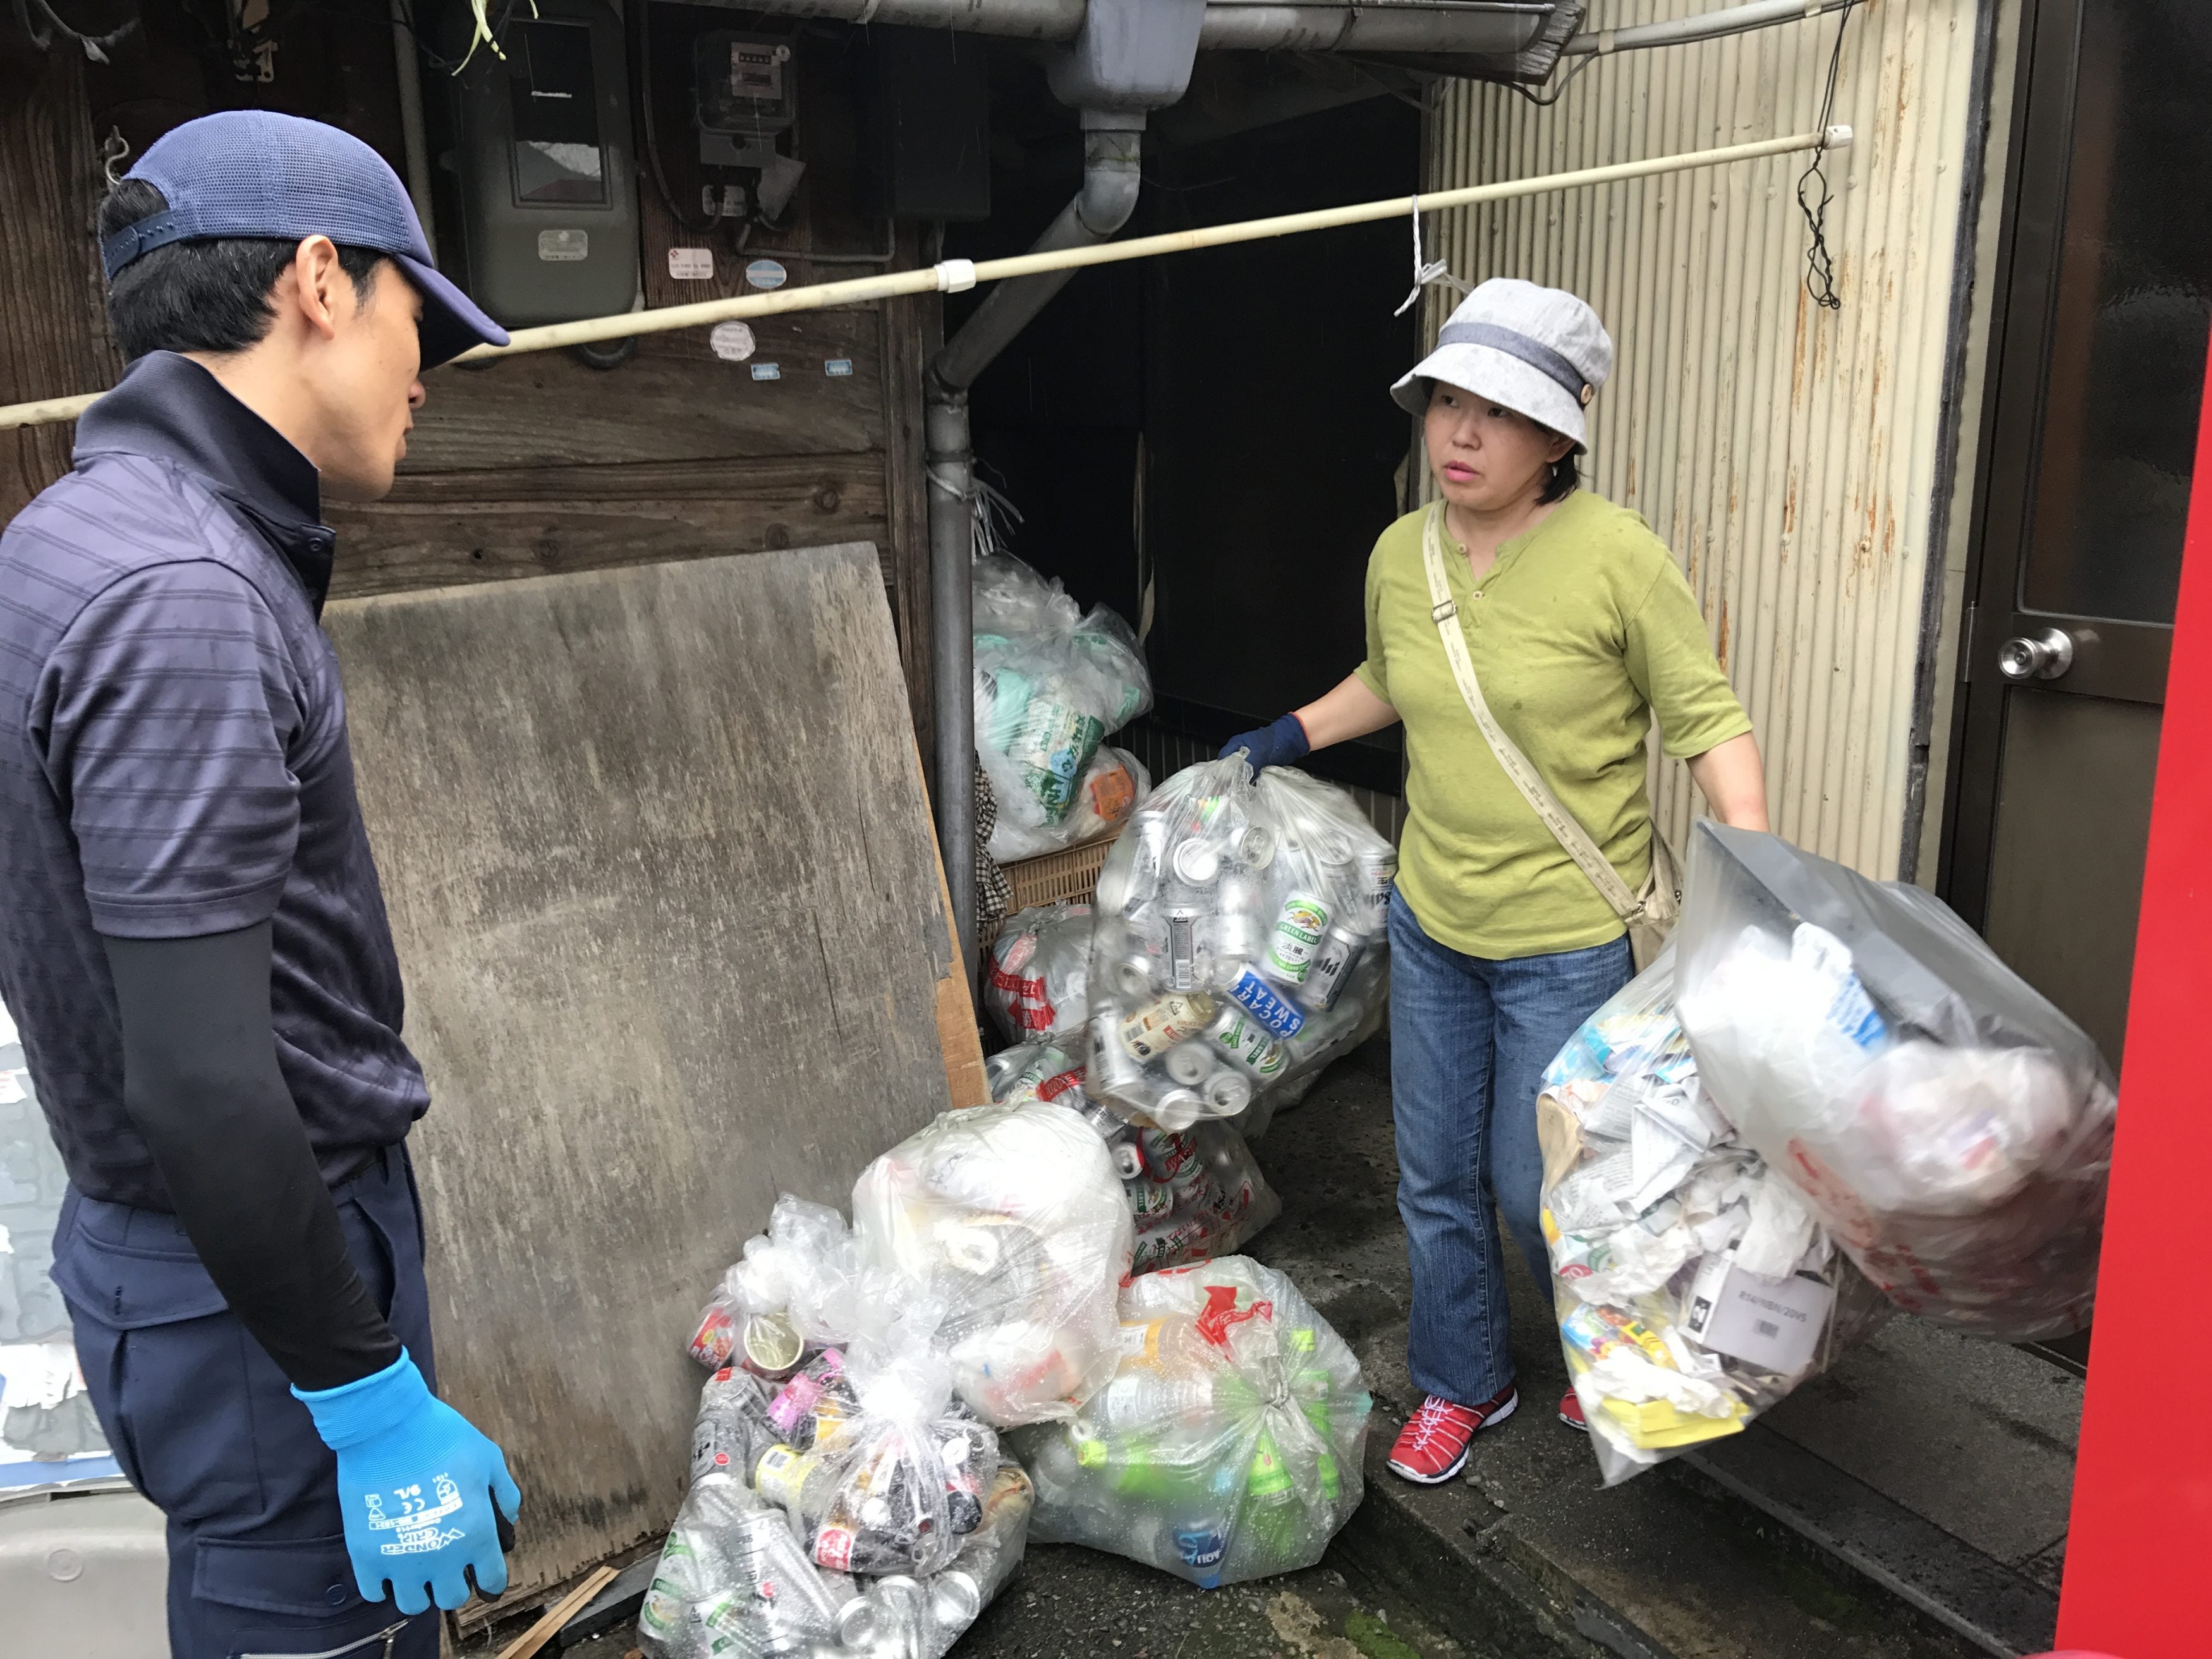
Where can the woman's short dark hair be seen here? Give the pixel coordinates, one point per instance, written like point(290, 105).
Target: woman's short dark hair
point(1566, 477)
point(211, 295)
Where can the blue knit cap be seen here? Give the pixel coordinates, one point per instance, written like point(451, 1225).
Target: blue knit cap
point(254, 172)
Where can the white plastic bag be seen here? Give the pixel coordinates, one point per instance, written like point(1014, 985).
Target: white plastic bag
point(1013, 1219)
point(1105, 795)
point(797, 1286)
point(1228, 1445)
point(1949, 1124)
point(1036, 985)
point(1238, 945)
point(1692, 1287)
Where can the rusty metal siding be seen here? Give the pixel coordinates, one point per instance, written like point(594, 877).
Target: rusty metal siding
point(1791, 455)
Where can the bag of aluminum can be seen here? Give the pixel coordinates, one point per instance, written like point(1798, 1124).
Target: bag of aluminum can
point(1198, 1195)
point(1951, 1125)
point(1105, 795)
point(1692, 1288)
point(797, 1286)
point(1013, 1220)
point(1050, 685)
point(734, 1582)
point(921, 1619)
point(1228, 1445)
point(1239, 943)
point(1037, 1071)
point(1035, 985)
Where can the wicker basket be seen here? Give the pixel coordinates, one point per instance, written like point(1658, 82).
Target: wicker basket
point(1071, 873)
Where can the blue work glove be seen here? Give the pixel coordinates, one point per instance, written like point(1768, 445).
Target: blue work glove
point(1277, 744)
point(416, 1483)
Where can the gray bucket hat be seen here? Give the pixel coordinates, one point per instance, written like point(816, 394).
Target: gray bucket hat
point(1538, 351)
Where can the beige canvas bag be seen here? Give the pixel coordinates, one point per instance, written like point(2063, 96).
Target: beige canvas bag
point(1651, 915)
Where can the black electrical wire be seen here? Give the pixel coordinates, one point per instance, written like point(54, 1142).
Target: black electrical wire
point(684, 222)
point(1820, 264)
point(95, 46)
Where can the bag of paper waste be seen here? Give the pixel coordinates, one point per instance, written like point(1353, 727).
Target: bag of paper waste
point(1035, 985)
point(1105, 795)
point(1950, 1125)
point(1692, 1288)
point(900, 1617)
point(1050, 683)
point(1014, 1219)
point(798, 1285)
point(1239, 943)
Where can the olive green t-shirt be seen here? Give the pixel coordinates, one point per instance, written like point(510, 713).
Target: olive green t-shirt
point(1581, 633)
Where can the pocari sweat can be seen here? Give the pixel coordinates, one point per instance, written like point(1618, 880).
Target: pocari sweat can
point(1275, 1011)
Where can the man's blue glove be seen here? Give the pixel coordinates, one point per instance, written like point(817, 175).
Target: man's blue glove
point(1275, 745)
point(416, 1483)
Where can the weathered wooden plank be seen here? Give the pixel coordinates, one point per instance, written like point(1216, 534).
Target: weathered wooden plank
point(906, 324)
point(53, 326)
point(438, 529)
point(674, 401)
point(659, 868)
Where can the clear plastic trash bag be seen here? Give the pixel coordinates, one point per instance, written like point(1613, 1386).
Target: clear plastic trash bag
point(1197, 1193)
point(1950, 1125)
point(733, 1583)
point(1228, 1445)
point(1013, 1220)
point(1050, 685)
point(1239, 944)
point(796, 1287)
point(1692, 1287)
point(1105, 795)
point(900, 1617)
point(1028, 1071)
point(1037, 985)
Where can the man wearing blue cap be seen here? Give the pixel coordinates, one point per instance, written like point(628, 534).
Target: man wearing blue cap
point(191, 934)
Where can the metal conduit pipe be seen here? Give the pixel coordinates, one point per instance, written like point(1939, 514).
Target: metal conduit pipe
point(1111, 154)
point(1709, 25)
point(1479, 27)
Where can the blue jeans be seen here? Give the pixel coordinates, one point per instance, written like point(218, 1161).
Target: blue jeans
point(205, 1425)
point(1469, 1041)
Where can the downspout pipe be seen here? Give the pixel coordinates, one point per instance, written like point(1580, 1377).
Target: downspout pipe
point(1111, 153)
point(1705, 26)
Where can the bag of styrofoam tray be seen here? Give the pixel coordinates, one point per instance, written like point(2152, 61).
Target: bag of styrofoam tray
point(1239, 944)
point(796, 1287)
point(1950, 1125)
point(1105, 795)
point(1013, 1219)
point(1228, 1445)
point(1692, 1287)
point(1050, 685)
point(1036, 985)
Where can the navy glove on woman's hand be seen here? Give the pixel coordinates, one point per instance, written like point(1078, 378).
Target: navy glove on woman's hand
point(1277, 744)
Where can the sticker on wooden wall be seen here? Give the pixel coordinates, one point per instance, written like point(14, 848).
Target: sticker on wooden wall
point(836, 367)
point(732, 342)
point(691, 265)
point(766, 273)
point(768, 371)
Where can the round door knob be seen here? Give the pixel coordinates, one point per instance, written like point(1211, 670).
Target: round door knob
point(2043, 656)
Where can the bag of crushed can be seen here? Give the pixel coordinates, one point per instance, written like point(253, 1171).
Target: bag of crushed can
point(1105, 795)
point(1691, 1287)
point(1012, 1219)
point(1951, 1125)
point(1239, 944)
point(1051, 683)
point(1035, 985)
point(1228, 1445)
point(797, 1286)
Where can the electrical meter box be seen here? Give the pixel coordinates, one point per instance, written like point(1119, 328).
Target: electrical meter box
point(741, 105)
point(535, 159)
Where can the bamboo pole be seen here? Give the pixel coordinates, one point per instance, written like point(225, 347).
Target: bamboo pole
point(952, 276)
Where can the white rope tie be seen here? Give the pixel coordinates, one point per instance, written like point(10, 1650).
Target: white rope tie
point(1436, 270)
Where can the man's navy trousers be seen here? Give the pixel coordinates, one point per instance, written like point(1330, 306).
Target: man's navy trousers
point(205, 1425)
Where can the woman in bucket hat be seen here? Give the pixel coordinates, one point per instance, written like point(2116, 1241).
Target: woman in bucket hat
point(1582, 632)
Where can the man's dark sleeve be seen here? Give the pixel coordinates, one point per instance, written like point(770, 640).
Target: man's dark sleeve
point(201, 1083)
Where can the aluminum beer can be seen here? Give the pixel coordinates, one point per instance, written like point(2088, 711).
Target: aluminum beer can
point(1150, 1033)
point(1112, 1073)
point(1265, 1004)
point(1183, 946)
point(1132, 978)
point(1256, 846)
point(1228, 1093)
point(1298, 929)
point(1377, 870)
point(1197, 863)
point(1128, 1162)
point(1178, 1108)
point(1166, 1155)
point(1239, 1038)
point(1188, 1063)
point(1149, 1200)
point(1332, 966)
point(1148, 831)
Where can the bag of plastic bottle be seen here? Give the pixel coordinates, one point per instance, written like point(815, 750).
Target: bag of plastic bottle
point(796, 1287)
point(1105, 795)
point(1239, 944)
point(1037, 985)
point(1228, 1445)
point(1692, 1287)
point(1050, 685)
point(1950, 1125)
point(1012, 1219)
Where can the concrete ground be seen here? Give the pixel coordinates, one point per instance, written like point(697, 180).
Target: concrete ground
point(1911, 1504)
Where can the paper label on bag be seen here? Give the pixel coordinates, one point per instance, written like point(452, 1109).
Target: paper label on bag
point(1772, 1323)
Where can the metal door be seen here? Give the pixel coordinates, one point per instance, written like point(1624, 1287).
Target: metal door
point(2088, 440)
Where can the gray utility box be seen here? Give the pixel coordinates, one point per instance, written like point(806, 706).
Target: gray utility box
point(83, 1574)
point(538, 159)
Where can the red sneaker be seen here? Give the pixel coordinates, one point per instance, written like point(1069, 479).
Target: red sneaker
point(1432, 1447)
point(1570, 1412)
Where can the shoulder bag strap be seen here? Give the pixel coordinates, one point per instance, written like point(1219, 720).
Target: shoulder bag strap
point(1586, 853)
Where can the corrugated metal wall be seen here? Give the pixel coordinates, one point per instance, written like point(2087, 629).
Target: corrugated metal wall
point(1791, 456)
